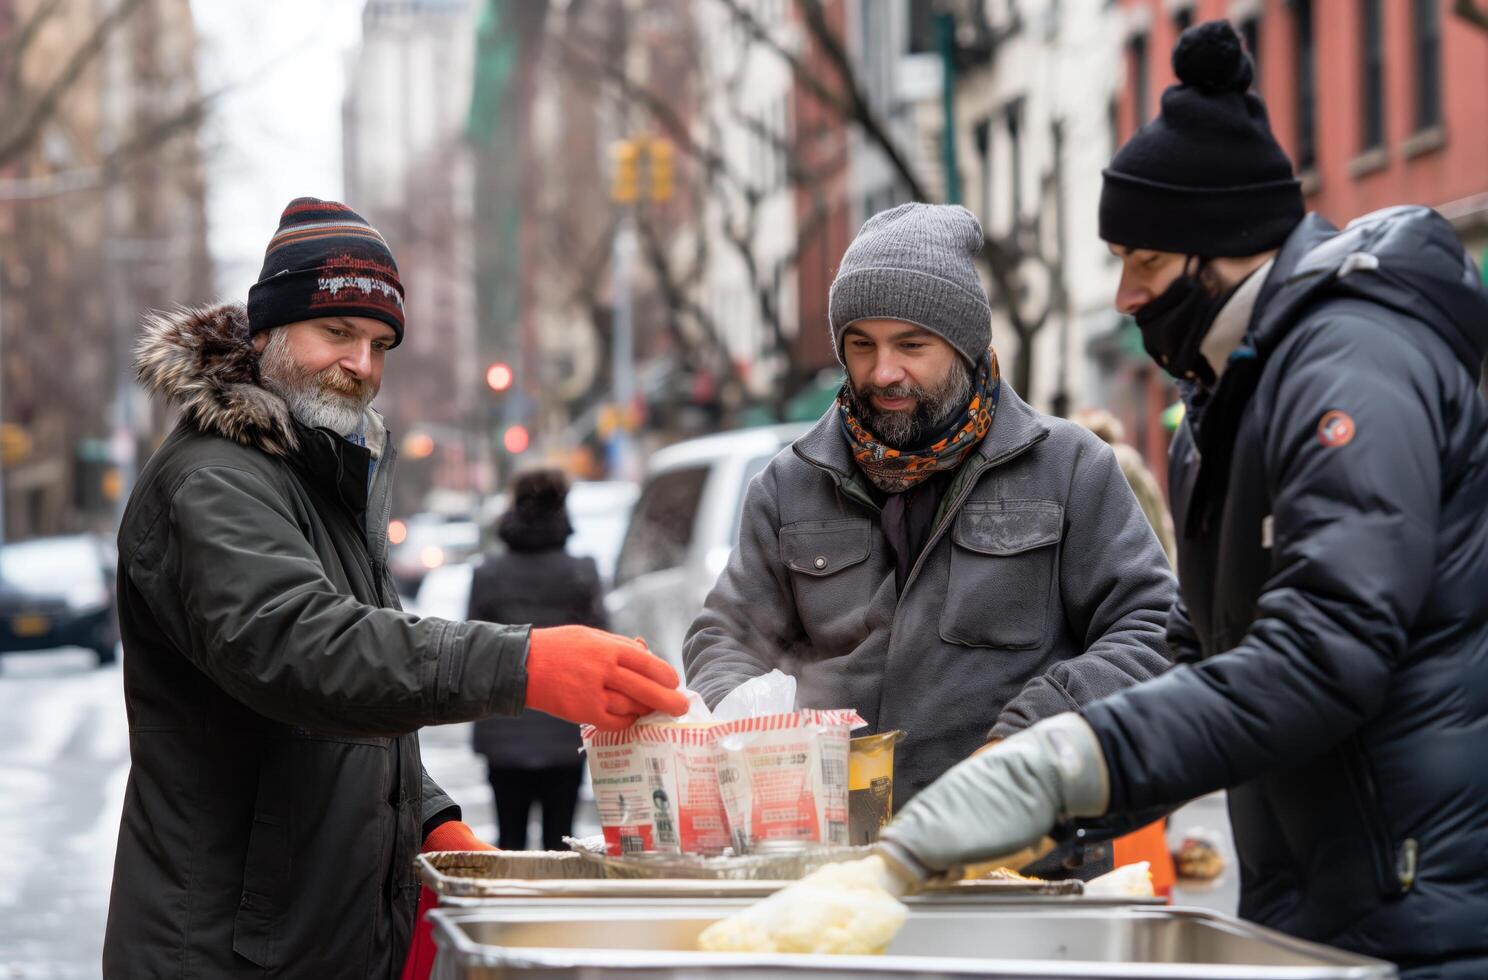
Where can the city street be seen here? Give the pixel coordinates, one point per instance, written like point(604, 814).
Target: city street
point(64, 758)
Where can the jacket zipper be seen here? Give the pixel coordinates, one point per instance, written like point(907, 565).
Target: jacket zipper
point(947, 516)
point(1395, 871)
point(378, 552)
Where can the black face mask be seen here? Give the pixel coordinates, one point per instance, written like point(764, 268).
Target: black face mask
point(1174, 326)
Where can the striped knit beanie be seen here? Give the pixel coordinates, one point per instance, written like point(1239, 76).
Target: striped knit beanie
point(325, 260)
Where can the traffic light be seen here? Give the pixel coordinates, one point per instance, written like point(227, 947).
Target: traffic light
point(515, 439)
point(418, 445)
point(499, 376)
point(626, 185)
point(15, 443)
point(661, 169)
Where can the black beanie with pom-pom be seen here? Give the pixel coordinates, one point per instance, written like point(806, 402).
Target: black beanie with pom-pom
point(1206, 177)
point(537, 519)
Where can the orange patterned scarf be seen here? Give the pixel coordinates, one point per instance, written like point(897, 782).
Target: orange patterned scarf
point(896, 470)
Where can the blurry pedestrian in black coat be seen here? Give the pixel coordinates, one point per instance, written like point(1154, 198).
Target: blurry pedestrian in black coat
point(534, 757)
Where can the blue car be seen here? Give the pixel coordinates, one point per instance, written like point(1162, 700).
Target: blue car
point(57, 592)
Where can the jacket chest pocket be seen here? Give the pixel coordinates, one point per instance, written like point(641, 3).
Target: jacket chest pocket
point(1001, 573)
point(830, 570)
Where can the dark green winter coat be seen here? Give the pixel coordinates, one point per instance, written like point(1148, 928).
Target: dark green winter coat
point(276, 799)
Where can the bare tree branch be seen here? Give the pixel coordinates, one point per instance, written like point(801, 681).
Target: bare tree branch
point(861, 109)
point(13, 48)
point(678, 299)
point(658, 107)
point(758, 32)
point(1469, 11)
point(20, 136)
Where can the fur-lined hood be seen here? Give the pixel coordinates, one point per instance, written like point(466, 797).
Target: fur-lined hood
point(202, 361)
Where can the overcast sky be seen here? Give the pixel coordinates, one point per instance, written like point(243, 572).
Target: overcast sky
point(277, 134)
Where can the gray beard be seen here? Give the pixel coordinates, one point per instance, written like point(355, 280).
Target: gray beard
point(309, 401)
point(933, 409)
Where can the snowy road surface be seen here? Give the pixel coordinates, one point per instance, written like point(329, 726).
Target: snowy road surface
point(64, 759)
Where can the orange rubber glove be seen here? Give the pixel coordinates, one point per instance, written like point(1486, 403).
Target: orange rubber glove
point(597, 678)
point(454, 835)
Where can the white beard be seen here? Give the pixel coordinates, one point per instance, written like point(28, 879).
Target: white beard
point(325, 410)
point(309, 401)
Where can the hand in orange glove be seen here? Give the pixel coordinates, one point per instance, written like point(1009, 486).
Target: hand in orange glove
point(454, 835)
point(598, 678)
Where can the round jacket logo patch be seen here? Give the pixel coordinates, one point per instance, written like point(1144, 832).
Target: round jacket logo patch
point(1336, 429)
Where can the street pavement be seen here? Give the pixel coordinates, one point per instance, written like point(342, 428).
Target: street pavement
point(64, 757)
point(64, 760)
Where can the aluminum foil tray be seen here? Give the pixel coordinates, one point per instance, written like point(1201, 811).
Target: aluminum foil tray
point(469, 877)
point(1033, 941)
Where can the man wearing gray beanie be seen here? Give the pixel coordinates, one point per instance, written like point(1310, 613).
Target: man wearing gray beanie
point(935, 553)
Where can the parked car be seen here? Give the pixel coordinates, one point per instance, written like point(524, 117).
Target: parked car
point(685, 524)
point(445, 592)
point(58, 592)
point(425, 542)
point(599, 510)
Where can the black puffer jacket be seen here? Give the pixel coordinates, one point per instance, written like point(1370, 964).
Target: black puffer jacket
point(1333, 561)
point(276, 798)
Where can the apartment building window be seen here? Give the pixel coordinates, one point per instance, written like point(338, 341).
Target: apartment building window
point(1250, 29)
point(1183, 19)
point(1136, 54)
point(1427, 16)
point(1305, 88)
point(782, 140)
point(923, 36)
point(1015, 159)
point(1372, 74)
point(982, 137)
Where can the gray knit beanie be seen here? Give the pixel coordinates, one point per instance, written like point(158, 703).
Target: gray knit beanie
point(916, 263)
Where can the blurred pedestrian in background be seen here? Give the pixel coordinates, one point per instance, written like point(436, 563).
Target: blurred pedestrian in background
point(534, 757)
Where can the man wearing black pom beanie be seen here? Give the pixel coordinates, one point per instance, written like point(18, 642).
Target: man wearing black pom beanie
point(1328, 487)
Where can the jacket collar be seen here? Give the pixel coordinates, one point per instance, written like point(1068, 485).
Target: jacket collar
point(1015, 427)
point(339, 468)
point(1232, 323)
point(202, 361)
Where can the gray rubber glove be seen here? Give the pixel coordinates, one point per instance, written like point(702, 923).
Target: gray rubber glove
point(1002, 800)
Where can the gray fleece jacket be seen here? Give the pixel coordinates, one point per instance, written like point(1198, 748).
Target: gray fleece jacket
point(1041, 589)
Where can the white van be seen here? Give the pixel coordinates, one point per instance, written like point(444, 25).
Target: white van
point(683, 527)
